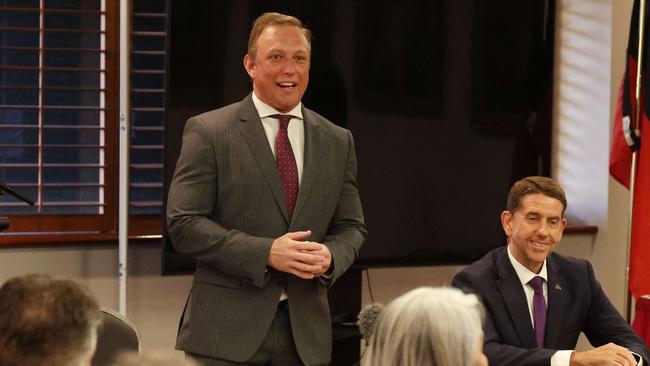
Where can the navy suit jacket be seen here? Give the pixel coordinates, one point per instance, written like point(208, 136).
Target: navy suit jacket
point(576, 303)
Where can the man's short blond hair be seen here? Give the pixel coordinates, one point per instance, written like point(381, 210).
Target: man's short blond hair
point(270, 19)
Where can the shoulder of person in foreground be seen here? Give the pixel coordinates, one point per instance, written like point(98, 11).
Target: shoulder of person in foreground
point(153, 358)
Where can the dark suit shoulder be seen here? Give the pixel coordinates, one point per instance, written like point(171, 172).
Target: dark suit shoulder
point(323, 122)
point(480, 275)
point(571, 268)
point(487, 264)
point(571, 262)
point(220, 116)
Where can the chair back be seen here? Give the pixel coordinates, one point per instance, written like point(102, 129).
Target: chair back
point(116, 334)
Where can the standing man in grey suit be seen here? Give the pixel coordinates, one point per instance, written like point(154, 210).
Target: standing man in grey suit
point(538, 302)
point(265, 199)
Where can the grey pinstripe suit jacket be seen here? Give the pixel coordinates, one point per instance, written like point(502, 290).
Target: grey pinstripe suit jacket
point(225, 208)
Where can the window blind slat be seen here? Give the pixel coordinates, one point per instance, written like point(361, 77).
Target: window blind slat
point(147, 111)
point(57, 49)
point(160, 72)
point(62, 30)
point(31, 185)
point(149, 53)
point(150, 15)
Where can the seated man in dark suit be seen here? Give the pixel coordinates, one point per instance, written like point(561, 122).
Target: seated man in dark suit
point(537, 302)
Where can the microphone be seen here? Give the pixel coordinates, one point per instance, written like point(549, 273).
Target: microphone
point(368, 318)
point(11, 191)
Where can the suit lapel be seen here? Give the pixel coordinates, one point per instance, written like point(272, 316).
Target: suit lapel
point(557, 296)
point(311, 154)
point(251, 127)
point(513, 295)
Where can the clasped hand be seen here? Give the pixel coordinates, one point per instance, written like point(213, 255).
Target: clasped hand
point(291, 253)
point(609, 354)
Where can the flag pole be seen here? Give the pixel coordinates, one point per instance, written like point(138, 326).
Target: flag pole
point(628, 294)
point(635, 127)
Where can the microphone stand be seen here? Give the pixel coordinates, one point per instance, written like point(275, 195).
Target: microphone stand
point(4, 188)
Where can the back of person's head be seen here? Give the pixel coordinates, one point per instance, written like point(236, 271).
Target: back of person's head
point(428, 326)
point(532, 185)
point(153, 358)
point(47, 322)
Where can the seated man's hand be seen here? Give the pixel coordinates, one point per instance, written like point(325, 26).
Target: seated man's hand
point(609, 354)
point(290, 253)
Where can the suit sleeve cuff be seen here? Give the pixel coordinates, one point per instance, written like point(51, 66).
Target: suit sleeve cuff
point(561, 358)
point(326, 278)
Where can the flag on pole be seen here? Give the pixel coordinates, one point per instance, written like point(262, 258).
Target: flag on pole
point(624, 142)
point(641, 323)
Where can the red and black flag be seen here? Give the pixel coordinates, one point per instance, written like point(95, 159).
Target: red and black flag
point(625, 141)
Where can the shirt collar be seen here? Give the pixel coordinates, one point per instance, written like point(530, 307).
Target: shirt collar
point(265, 110)
point(524, 274)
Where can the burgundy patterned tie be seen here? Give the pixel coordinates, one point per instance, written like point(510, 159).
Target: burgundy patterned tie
point(286, 162)
point(539, 309)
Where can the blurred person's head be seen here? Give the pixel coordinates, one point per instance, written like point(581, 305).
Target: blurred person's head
point(47, 322)
point(429, 326)
point(153, 358)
